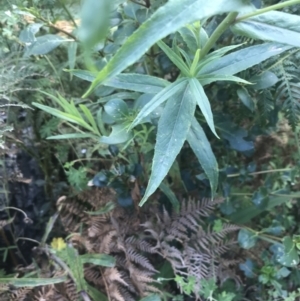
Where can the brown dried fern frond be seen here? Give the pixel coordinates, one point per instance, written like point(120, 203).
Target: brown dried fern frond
point(74, 211)
point(47, 293)
point(182, 240)
point(16, 294)
point(97, 198)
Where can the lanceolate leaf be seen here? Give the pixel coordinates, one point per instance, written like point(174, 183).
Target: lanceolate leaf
point(44, 44)
point(98, 259)
point(167, 19)
point(210, 78)
point(174, 57)
point(129, 81)
point(173, 127)
point(64, 116)
point(158, 99)
point(243, 59)
point(171, 196)
point(83, 74)
point(271, 26)
point(73, 136)
point(32, 282)
point(138, 82)
point(201, 147)
point(72, 50)
point(200, 97)
point(94, 21)
point(215, 55)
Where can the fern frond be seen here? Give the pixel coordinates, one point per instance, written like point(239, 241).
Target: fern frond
point(139, 244)
point(137, 258)
point(190, 249)
point(288, 88)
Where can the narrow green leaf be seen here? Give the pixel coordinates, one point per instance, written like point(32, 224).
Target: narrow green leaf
point(167, 19)
point(100, 122)
point(129, 81)
point(72, 50)
point(173, 127)
point(83, 74)
point(138, 82)
point(159, 99)
point(176, 59)
point(184, 54)
point(195, 63)
point(272, 26)
point(200, 97)
point(99, 259)
point(69, 107)
point(72, 136)
point(246, 98)
point(215, 55)
point(32, 282)
point(189, 35)
point(76, 267)
point(210, 78)
point(53, 97)
point(96, 294)
point(202, 149)
point(44, 44)
point(243, 59)
point(90, 118)
point(171, 196)
point(94, 15)
point(64, 116)
point(49, 227)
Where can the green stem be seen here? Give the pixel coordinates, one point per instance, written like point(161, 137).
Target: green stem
point(260, 172)
point(28, 239)
point(271, 194)
point(55, 71)
point(241, 194)
point(217, 33)
point(26, 218)
point(267, 9)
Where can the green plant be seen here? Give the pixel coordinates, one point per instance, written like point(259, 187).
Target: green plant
point(197, 68)
point(187, 99)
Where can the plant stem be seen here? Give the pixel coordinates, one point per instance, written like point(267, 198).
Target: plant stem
point(267, 9)
point(68, 13)
point(26, 218)
point(56, 28)
point(55, 71)
point(260, 172)
point(217, 33)
point(28, 239)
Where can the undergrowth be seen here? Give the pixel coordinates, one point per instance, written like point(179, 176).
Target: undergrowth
point(149, 150)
